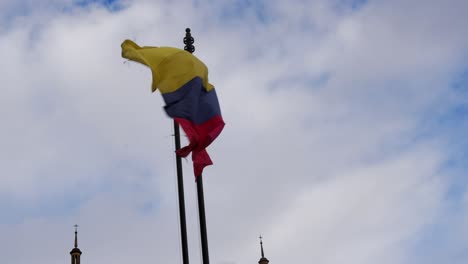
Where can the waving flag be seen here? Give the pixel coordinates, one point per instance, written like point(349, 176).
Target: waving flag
point(190, 99)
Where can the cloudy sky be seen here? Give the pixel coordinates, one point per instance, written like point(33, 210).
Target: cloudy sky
point(346, 137)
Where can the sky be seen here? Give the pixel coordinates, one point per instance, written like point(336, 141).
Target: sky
point(345, 137)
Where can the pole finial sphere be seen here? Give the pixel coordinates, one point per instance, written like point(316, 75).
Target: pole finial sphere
point(188, 41)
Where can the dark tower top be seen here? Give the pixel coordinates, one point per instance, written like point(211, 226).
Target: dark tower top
point(262, 260)
point(75, 252)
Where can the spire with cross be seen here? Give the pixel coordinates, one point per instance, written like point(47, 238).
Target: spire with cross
point(75, 252)
point(262, 260)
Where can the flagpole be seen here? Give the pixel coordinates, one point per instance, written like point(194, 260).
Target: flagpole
point(201, 214)
point(180, 186)
point(188, 41)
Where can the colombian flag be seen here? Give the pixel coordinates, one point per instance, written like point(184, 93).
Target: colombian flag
point(190, 99)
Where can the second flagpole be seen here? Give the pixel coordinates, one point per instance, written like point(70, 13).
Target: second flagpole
point(188, 41)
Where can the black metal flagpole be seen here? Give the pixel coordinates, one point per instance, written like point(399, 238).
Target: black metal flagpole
point(180, 186)
point(201, 213)
point(188, 41)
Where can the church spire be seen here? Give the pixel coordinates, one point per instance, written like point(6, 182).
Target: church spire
point(262, 260)
point(75, 252)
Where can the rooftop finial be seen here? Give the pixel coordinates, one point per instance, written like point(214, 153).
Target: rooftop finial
point(262, 260)
point(76, 236)
point(261, 245)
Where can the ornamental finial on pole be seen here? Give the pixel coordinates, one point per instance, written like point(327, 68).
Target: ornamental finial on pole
point(188, 41)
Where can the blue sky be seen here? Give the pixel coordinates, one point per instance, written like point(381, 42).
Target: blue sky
point(345, 137)
point(113, 5)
